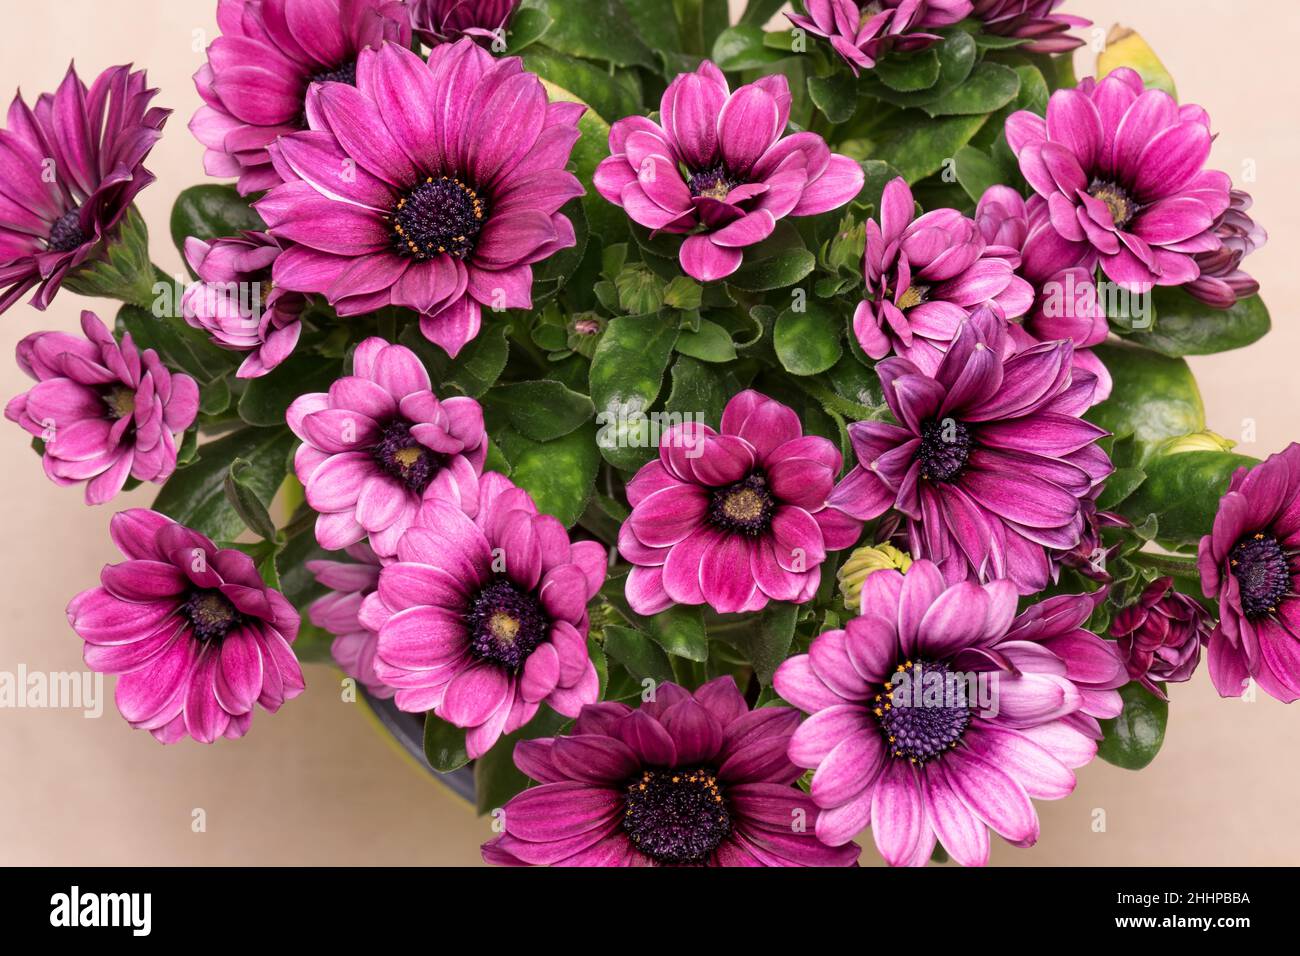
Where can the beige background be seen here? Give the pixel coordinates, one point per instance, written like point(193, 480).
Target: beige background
point(316, 784)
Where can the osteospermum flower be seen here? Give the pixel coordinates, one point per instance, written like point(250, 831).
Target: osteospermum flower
point(1033, 20)
point(105, 410)
point(925, 275)
point(270, 52)
point(236, 303)
point(446, 21)
point(196, 635)
point(1121, 168)
point(350, 582)
point(688, 779)
point(53, 218)
point(1222, 280)
point(1159, 637)
point(863, 32)
point(989, 461)
point(734, 519)
point(483, 620)
point(432, 187)
point(717, 168)
point(938, 714)
point(1249, 564)
point(378, 443)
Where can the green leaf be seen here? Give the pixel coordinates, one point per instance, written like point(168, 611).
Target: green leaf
point(741, 48)
point(640, 291)
point(603, 217)
point(684, 293)
point(976, 172)
point(496, 778)
point(594, 30)
point(1185, 325)
point(527, 26)
point(908, 73)
point(244, 498)
point(657, 23)
point(1125, 47)
point(195, 495)
point(919, 150)
point(266, 399)
point(181, 347)
point(558, 474)
point(698, 390)
point(808, 342)
point(711, 343)
point(835, 95)
point(779, 261)
point(1154, 397)
point(767, 642)
point(541, 411)
point(1133, 739)
point(475, 369)
point(627, 372)
point(1183, 492)
point(609, 95)
point(679, 631)
point(211, 211)
point(444, 744)
point(990, 87)
point(637, 653)
point(759, 12)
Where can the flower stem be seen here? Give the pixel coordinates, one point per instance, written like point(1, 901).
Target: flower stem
point(1172, 564)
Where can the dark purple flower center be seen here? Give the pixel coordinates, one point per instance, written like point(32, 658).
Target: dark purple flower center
point(714, 183)
point(945, 447)
point(343, 73)
point(66, 234)
point(922, 710)
point(1122, 206)
point(401, 455)
point(120, 401)
point(211, 614)
point(441, 216)
point(1263, 573)
point(505, 624)
point(745, 507)
point(676, 816)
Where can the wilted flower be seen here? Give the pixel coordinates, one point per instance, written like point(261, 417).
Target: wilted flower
point(863, 32)
point(195, 633)
point(484, 619)
point(864, 562)
point(1159, 638)
point(688, 779)
point(446, 21)
point(105, 410)
point(430, 187)
point(270, 52)
point(1034, 20)
point(1222, 281)
point(237, 304)
point(350, 582)
point(72, 167)
point(717, 168)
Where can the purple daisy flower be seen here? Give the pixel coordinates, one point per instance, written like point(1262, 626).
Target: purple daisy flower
point(270, 52)
point(227, 300)
point(350, 583)
point(863, 32)
point(53, 219)
point(1248, 564)
point(717, 168)
point(925, 275)
point(484, 619)
point(105, 410)
point(734, 519)
point(938, 714)
point(446, 21)
point(688, 779)
point(196, 635)
point(378, 443)
point(990, 462)
point(1121, 168)
point(1159, 638)
point(1066, 304)
point(1222, 281)
point(1034, 20)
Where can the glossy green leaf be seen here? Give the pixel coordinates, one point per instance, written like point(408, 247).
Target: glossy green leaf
point(558, 474)
point(627, 373)
point(918, 150)
point(543, 410)
point(266, 399)
point(759, 12)
point(475, 369)
point(698, 390)
point(741, 48)
point(243, 497)
point(835, 95)
point(211, 211)
point(615, 96)
point(182, 348)
point(767, 642)
point(1183, 492)
point(642, 657)
point(976, 172)
point(989, 87)
point(603, 217)
point(808, 342)
point(1154, 397)
point(710, 343)
point(909, 72)
point(594, 30)
point(527, 26)
point(1185, 325)
point(444, 744)
point(1133, 739)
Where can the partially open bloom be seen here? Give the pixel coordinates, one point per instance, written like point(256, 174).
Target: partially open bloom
point(938, 714)
point(105, 410)
point(1122, 170)
point(378, 443)
point(55, 217)
point(924, 277)
point(863, 32)
point(255, 81)
point(484, 619)
point(350, 582)
point(1248, 563)
point(688, 779)
point(1033, 20)
point(989, 461)
point(734, 519)
point(1159, 638)
point(196, 635)
point(1222, 280)
point(864, 562)
point(430, 187)
point(718, 169)
point(237, 304)
point(446, 21)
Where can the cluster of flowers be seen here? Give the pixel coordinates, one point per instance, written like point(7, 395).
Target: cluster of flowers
point(459, 598)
